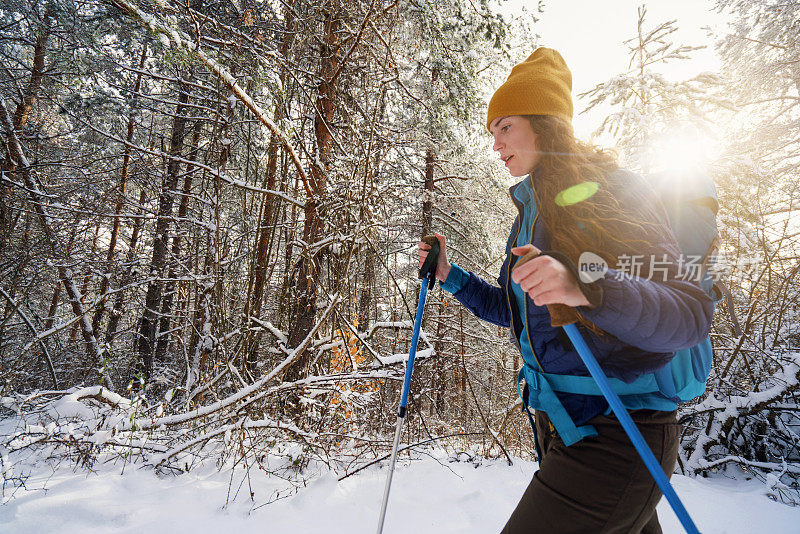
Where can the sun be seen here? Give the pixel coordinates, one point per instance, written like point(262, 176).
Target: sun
point(682, 148)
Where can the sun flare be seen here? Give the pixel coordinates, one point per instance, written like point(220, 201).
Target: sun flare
point(685, 148)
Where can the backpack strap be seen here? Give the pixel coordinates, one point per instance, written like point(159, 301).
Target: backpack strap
point(537, 390)
point(586, 385)
point(526, 408)
point(542, 397)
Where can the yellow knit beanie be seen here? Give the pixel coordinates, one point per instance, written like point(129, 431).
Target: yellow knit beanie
point(541, 85)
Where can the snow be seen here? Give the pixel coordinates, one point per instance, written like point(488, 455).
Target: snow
point(431, 493)
point(403, 356)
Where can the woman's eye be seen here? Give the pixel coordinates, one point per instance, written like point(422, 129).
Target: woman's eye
point(505, 128)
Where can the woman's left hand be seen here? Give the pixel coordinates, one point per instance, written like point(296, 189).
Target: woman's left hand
point(546, 280)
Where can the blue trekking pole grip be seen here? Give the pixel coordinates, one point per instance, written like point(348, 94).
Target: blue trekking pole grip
point(428, 274)
point(630, 428)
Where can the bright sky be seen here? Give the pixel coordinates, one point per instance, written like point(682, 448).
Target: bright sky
point(590, 34)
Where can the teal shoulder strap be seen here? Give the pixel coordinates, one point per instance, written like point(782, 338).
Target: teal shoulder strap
point(586, 385)
point(542, 397)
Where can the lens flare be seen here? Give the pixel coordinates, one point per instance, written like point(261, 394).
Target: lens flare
point(576, 193)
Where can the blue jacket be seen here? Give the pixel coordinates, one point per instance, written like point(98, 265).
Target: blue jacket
point(648, 320)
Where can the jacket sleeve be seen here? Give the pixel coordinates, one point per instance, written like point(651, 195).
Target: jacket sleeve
point(652, 305)
point(653, 316)
point(485, 300)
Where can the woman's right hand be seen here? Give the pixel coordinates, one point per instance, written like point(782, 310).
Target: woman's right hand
point(443, 267)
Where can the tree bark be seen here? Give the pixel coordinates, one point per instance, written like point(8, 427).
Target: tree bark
point(119, 302)
point(427, 203)
point(87, 277)
point(29, 97)
point(209, 297)
point(149, 322)
point(267, 218)
point(183, 209)
point(308, 272)
point(20, 119)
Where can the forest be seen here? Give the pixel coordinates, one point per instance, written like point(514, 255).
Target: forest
point(209, 217)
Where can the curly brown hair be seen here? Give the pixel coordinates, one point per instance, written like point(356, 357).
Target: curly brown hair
point(606, 217)
point(597, 223)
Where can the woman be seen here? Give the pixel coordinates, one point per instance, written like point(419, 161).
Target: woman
point(575, 199)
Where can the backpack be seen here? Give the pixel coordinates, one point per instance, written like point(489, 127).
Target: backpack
point(690, 201)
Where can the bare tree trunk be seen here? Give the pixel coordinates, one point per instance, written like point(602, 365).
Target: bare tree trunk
point(183, 209)
point(427, 203)
point(267, 216)
point(365, 291)
point(367, 306)
point(87, 277)
point(119, 302)
point(209, 296)
point(20, 119)
point(439, 384)
point(51, 314)
point(266, 233)
point(287, 306)
point(29, 97)
point(308, 272)
point(149, 322)
point(430, 158)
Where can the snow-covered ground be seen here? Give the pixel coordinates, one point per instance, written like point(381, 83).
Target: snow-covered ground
point(430, 494)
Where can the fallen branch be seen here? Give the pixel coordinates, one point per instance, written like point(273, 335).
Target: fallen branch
point(410, 446)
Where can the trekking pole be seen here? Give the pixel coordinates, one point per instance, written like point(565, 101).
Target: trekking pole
point(630, 428)
point(428, 274)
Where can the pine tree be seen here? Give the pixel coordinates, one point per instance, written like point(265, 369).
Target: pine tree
point(646, 106)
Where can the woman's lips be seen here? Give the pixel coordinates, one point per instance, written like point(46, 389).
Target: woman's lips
point(509, 159)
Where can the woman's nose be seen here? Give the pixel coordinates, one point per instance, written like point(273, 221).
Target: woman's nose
point(496, 145)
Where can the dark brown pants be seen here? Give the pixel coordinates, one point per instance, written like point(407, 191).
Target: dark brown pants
point(598, 484)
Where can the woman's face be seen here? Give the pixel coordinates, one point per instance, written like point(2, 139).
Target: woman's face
point(515, 141)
